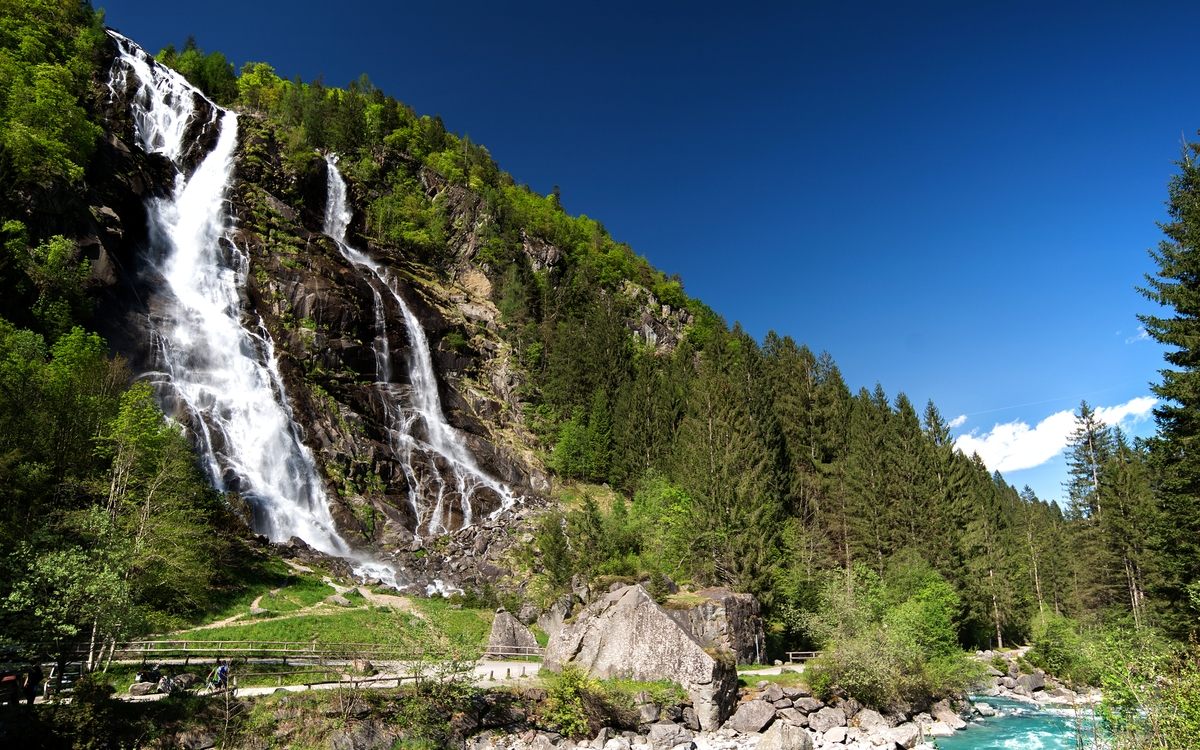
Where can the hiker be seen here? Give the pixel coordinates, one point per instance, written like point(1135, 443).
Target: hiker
point(32, 680)
point(221, 673)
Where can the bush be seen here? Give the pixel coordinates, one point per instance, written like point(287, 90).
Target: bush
point(580, 705)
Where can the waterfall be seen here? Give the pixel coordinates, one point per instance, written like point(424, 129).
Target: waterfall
point(216, 366)
point(443, 446)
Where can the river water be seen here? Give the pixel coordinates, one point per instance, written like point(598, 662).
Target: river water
point(1019, 726)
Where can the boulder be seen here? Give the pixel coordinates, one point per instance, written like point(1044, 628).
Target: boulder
point(508, 634)
point(869, 721)
point(798, 691)
point(626, 634)
point(666, 735)
point(942, 712)
point(690, 720)
point(940, 729)
point(807, 705)
point(186, 680)
point(827, 718)
point(752, 716)
point(616, 743)
point(793, 717)
point(647, 713)
point(338, 599)
point(143, 688)
point(906, 735)
point(365, 735)
point(984, 709)
point(725, 620)
point(772, 693)
point(784, 736)
point(1031, 682)
point(835, 735)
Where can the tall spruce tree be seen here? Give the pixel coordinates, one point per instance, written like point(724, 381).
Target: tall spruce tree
point(1176, 286)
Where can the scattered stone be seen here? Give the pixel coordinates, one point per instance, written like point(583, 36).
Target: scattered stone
point(793, 717)
point(836, 735)
point(807, 705)
point(941, 729)
point(784, 736)
point(984, 709)
point(942, 712)
point(648, 713)
point(690, 720)
point(773, 693)
point(752, 716)
point(665, 735)
point(795, 692)
point(338, 599)
point(906, 736)
point(827, 718)
point(255, 611)
point(870, 721)
point(617, 743)
point(782, 703)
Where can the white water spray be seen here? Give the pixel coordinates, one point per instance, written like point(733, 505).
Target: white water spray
point(214, 373)
point(443, 444)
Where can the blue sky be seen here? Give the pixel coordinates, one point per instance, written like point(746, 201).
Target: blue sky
point(953, 199)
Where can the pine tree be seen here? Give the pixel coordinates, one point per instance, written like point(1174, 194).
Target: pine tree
point(1176, 286)
point(1090, 448)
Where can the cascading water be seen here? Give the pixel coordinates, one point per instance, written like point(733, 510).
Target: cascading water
point(440, 465)
point(213, 373)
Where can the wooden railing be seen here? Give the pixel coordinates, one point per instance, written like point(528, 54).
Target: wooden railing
point(803, 656)
point(282, 651)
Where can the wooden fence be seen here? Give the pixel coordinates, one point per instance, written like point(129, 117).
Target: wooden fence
point(803, 656)
point(284, 652)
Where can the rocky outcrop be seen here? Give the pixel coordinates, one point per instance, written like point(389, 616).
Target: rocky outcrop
point(509, 636)
point(626, 634)
point(725, 620)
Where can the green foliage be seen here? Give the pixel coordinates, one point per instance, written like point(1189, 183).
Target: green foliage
point(889, 641)
point(579, 705)
point(48, 52)
point(211, 73)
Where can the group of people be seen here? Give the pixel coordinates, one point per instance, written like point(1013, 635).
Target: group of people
point(26, 681)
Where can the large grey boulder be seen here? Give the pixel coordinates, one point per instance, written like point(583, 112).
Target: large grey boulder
point(625, 634)
point(666, 735)
point(827, 718)
point(726, 620)
point(752, 716)
point(508, 634)
point(784, 736)
point(143, 688)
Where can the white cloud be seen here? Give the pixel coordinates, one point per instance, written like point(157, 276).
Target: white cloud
point(1129, 413)
point(958, 421)
point(1015, 445)
point(1142, 335)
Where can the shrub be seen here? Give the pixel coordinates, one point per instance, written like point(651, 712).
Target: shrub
point(580, 705)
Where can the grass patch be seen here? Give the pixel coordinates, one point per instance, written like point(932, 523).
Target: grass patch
point(684, 601)
point(247, 582)
point(662, 692)
point(347, 626)
point(542, 636)
point(787, 679)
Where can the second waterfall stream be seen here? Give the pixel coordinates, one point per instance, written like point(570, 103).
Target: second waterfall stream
point(442, 475)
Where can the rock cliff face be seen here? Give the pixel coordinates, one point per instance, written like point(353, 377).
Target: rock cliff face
point(727, 621)
point(321, 313)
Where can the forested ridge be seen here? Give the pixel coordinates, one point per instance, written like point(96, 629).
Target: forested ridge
point(745, 463)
